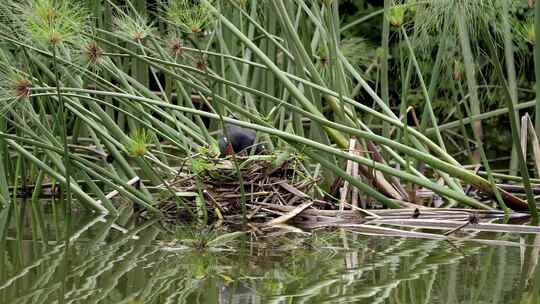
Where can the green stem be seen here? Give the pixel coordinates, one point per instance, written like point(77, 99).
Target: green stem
point(62, 119)
point(515, 130)
point(469, 72)
point(453, 170)
point(67, 166)
point(384, 65)
point(295, 92)
point(537, 64)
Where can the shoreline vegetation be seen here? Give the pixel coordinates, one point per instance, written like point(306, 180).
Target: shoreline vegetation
point(429, 120)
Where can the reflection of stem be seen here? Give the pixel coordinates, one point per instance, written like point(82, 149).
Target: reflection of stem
point(501, 275)
point(136, 253)
point(534, 256)
point(430, 287)
point(54, 250)
point(524, 287)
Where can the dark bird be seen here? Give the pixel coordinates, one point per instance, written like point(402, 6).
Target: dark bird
point(240, 139)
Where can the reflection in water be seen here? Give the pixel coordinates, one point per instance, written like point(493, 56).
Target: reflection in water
point(146, 264)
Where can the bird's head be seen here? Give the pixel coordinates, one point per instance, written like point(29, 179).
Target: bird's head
point(225, 147)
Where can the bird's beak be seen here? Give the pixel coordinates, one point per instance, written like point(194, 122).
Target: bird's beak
point(229, 150)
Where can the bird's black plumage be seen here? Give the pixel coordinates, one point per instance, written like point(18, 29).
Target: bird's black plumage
point(240, 139)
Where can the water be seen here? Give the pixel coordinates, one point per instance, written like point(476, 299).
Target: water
point(149, 265)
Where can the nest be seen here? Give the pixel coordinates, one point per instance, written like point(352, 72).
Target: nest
point(268, 184)
point(282, 192)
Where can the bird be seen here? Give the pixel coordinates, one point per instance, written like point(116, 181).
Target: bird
point(239, 139)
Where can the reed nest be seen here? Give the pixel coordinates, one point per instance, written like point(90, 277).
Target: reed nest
point(268, 184)
point(283, 193)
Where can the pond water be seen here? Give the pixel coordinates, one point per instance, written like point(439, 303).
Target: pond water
point(146, 264)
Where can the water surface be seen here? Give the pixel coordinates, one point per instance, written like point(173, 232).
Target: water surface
point(147, 264)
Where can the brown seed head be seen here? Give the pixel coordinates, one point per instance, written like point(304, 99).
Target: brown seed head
point(94, 52)
point(22, 88)
point(137, 36)
point(200, 65)
point(54, 38)
point(176, 47)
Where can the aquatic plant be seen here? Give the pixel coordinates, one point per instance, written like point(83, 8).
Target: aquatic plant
point(134, 94)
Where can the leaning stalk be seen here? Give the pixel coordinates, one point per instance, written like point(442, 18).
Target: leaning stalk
point(537, 64)
point(453, 170)
point(515, 129)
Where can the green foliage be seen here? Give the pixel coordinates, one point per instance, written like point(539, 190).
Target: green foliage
point(435, 21)
point(200, 165)
point(188, 16)
point(135, 27)
point(50, 22)
point(137, 145)
point(396, 15)
point(295, 76)
point(526, 30)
